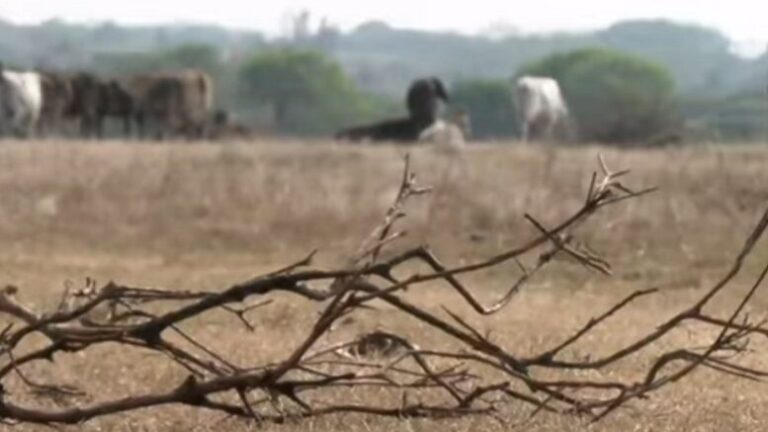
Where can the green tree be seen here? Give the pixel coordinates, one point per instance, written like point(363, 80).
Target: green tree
point(308, 93)
point(614, 97)
point(199, 56)
point(490, 107)
point(733, 118)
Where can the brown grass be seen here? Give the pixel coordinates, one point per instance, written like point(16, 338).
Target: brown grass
point(205, 216)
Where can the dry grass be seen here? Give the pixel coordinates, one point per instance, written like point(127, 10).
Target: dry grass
point(205, 216)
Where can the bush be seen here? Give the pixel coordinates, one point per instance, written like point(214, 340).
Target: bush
point(195, 56)
point(614, 97)
point(740, 117)
point(307, 92)
point(490, 107)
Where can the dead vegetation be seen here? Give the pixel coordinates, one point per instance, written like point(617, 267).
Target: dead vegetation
point(445, 363)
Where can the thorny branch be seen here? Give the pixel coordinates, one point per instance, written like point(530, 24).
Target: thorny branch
point(471, 376)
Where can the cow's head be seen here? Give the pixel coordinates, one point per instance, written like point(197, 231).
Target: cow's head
point(439, 89)
point(423, 99)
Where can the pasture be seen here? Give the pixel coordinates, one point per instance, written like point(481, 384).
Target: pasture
point(205, 216)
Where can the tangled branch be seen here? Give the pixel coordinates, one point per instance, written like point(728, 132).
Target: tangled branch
point(472, 376)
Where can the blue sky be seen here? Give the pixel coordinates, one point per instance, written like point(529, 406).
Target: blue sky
point(742, 20)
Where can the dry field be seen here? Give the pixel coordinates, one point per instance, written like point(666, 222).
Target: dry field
point(206, 216)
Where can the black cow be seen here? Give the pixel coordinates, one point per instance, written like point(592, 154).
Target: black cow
point(94, 100)
point(422, 101)
point(115, 102)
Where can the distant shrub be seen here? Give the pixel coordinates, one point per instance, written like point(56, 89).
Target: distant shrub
point(489, 104)
point(308, 92)
point(733, 118)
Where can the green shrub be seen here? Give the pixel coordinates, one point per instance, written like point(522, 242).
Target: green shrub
point(490, 107)
point(307, 92)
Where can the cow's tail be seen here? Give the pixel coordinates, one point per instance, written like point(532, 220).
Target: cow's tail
point(203, 105)
point(206, 90)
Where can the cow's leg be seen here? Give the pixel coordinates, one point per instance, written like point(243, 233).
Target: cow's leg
point(548, 130)
point(568, 128)
point(25, 125)
point(99, 127)
point(195, 131)
point(140, 125)
point(526, 130)
point(32, 127)
point(180, 128)
point(87, 126)
point(18, 128)
point(192, 130)
point(83, 127)
point(534, 129)
point(127, 126)
point(44, 127)
point(165, 129)
point(17, 124)
point(25, 129)
point(162, 128)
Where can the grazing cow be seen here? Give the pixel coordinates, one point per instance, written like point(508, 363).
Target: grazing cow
point(422, 101)
point(176, 103)
point(94, 100)
point(85, 103)
point(114, 101)
point(21, 100)
point(541, 107)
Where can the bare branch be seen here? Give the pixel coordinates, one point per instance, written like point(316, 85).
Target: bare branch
point(471, 375)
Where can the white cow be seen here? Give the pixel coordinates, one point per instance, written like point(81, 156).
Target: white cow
point(21, 101)
point(541, 106)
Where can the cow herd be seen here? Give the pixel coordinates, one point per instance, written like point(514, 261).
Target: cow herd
point(179, 104)
point(163, 104)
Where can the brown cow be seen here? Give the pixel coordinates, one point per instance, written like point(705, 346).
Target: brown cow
point(57, 98)
point(85, 102)
point(115, 101)
point(174, 103)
